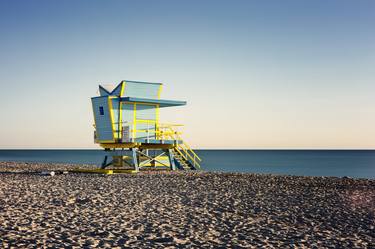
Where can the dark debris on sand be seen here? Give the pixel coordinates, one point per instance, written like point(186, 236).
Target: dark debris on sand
point(183, 210)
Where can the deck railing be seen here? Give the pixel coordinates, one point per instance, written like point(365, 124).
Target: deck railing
point(165, 131)
point(158, 131)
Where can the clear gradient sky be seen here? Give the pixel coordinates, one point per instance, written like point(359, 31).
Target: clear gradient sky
point(256, 74)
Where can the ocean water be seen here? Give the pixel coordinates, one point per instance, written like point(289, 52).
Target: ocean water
point(352, 163)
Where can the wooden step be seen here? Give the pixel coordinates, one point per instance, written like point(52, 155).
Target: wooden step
point(183, 164)
point(182, 161)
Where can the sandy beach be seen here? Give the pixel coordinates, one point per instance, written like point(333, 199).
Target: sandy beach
point(183, 210)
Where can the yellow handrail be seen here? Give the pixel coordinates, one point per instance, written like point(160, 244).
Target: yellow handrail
point(185, 144)
point(184, 147)
point(188, 147)
point(157, 131)
point(186, 156)
point(164, 125)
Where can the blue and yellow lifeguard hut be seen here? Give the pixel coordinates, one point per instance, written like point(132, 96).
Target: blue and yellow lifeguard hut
point(127, 127)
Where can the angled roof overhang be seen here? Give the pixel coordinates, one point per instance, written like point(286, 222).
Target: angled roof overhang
point(160, 102)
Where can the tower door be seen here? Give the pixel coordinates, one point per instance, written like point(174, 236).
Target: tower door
point(127, 122)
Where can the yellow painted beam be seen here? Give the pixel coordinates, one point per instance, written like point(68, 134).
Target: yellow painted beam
point(156, 146)
point(110, 109)
point(123, 88)
point(159, 91)
point(117, 145)
point(94, 171)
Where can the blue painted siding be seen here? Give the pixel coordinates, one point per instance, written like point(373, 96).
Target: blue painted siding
point(141, 90)
point(102, 122)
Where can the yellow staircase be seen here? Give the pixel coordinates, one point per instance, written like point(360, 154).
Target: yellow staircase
point(184, 155)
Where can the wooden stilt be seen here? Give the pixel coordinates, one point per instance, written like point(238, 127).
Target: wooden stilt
point(171, 159)
point(135, 159)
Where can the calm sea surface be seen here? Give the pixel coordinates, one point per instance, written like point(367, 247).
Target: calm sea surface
point(352, 163)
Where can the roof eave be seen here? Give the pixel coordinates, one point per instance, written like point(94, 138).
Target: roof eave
point(161, 102)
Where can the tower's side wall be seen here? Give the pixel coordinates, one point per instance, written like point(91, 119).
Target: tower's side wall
point(103, 122)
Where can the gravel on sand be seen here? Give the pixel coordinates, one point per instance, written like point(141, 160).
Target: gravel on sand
point(182, 209)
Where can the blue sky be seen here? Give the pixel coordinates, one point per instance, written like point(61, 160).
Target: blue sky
point(256, 74)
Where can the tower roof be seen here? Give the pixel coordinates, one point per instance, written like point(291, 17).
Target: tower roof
point(131, 88)
point(138, 91)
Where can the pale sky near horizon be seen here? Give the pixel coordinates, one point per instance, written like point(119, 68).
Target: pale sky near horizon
point(255, 74)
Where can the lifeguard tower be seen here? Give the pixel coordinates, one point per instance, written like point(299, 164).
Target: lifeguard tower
point(127, 127)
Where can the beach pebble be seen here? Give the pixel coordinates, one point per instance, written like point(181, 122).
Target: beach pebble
point(47, 173)
point(163, 239)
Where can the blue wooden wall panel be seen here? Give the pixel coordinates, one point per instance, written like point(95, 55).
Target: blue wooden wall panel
point(102, 122)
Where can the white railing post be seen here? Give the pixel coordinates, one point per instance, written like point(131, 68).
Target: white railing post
point(148, 139)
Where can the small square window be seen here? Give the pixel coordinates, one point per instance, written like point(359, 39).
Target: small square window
point(101, 110)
